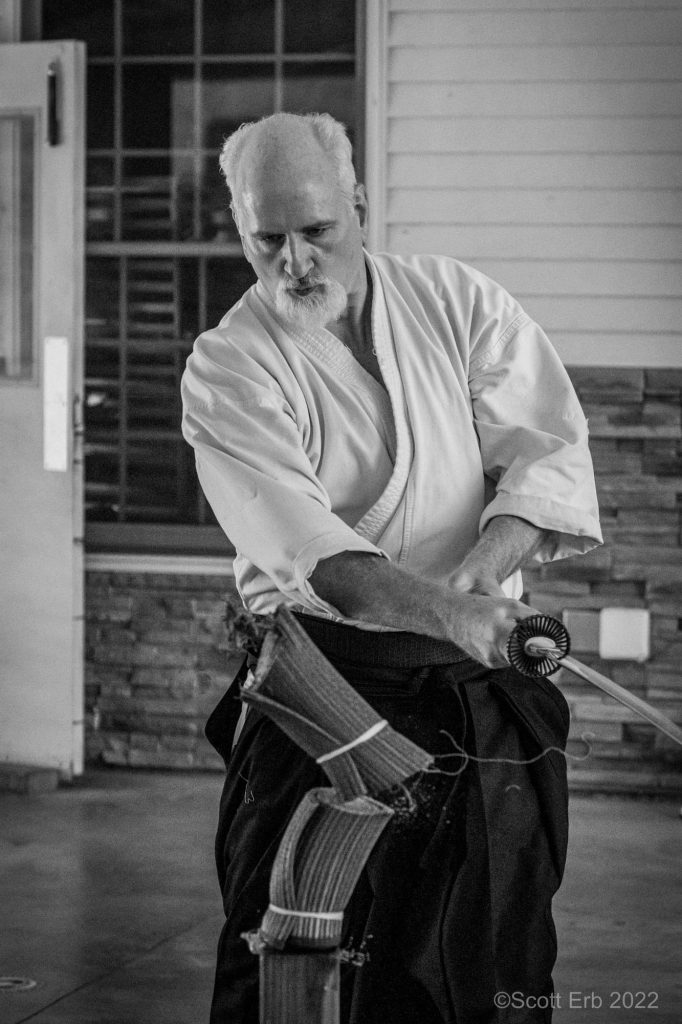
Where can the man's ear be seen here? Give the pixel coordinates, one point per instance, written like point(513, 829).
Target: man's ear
point(361, 207)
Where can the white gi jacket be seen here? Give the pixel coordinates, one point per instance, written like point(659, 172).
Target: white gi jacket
point(302, 454)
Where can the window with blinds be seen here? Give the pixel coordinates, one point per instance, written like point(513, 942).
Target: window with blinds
point(168, 80)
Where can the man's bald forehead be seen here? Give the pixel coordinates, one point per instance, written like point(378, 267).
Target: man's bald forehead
point(280, 150)
point(282, 135)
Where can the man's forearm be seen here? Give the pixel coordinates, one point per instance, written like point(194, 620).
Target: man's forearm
point(369, 588)
point(505, 544)
point(372, 589)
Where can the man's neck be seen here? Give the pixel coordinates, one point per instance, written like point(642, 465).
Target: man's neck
point(354, 328)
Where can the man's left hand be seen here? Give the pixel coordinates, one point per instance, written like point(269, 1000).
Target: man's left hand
point(470, 581)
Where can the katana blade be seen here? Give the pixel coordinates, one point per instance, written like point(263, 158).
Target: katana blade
point(623, 696)
point(539, 646)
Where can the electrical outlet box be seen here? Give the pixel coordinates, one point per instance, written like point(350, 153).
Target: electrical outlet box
point(624, 634)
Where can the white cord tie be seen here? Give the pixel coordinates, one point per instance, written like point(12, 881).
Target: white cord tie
point(362, 738)
point(319, 915)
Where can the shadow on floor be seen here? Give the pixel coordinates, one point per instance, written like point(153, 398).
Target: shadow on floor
point(111, 907)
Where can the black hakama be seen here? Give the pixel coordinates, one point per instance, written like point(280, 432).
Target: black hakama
point(454, 905)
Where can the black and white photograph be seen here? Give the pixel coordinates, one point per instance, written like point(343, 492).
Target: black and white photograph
point(341, 511)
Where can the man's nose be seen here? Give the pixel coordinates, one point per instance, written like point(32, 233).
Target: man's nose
point(297, 259)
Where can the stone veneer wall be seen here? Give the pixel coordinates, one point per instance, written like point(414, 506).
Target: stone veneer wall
point(158, 659)
point(157, 662)
point(636, 441)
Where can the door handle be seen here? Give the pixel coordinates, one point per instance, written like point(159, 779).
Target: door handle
point(52, 100)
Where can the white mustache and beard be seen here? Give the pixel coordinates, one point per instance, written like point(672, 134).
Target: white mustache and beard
point(326, 302)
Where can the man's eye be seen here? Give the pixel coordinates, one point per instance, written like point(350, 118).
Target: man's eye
point(316, 232)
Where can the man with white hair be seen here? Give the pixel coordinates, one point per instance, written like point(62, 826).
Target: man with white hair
point(385, 440)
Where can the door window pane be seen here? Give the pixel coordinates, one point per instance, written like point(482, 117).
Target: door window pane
point(100, 101)
point(102, 299)
point(156, 478)
point(17, 245)
point(158, 198)
point(216, 218)
point(150, 193)
point(226, 282)
point(158, 27)
point(90, 20)
point(327, 27)
point(232, 94)
point(321, 88)
point(240, 26)
point(158, 106)
point(100, 199)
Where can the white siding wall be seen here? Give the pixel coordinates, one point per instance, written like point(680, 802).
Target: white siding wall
point(541, 141)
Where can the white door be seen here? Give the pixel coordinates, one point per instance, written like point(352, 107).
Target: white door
point(42, 124)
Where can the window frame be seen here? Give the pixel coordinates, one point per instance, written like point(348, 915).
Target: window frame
point(133, 537)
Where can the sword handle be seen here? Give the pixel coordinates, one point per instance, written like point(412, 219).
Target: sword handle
point(539, 645)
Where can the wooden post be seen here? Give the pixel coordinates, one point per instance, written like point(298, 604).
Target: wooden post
point(311, 884)
point(299, 987)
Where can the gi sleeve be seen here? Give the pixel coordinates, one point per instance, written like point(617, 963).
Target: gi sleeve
point(533, 436)
point(258, 479)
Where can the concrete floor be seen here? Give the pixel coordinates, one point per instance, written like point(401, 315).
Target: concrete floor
point(109, 905)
